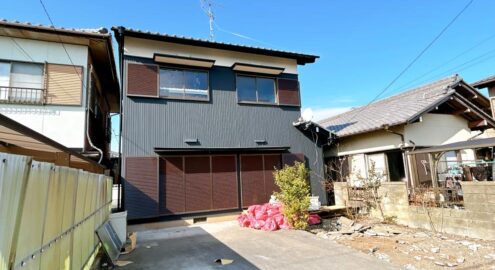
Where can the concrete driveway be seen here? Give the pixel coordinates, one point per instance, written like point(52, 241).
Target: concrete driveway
point(198, 246)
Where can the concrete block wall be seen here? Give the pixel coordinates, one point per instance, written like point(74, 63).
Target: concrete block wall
point(476, 220)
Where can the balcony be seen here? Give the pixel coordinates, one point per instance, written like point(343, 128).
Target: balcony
point(19, 95)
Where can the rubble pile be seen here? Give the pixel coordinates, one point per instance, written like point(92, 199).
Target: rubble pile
point(407, 247)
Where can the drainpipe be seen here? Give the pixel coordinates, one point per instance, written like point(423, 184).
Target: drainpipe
point(404, 155)
point(87, 119)
point(120, 41)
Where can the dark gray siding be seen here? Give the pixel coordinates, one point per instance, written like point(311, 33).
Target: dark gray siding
point(221, 122)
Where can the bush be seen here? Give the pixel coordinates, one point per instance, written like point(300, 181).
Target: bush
point(294, 194)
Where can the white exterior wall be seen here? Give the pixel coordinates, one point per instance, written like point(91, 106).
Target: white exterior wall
point(438, 129)
point(146, 48)
point(63, 124)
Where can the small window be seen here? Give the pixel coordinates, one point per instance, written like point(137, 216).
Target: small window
point(184, 84)
point(256, 89)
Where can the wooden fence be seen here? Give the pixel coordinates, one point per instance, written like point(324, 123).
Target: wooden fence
point(49, 213)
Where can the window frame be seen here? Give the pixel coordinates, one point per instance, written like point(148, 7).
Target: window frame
point(257, 102)
point(180, 68)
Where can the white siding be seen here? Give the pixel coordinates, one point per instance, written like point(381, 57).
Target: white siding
point(64, 124)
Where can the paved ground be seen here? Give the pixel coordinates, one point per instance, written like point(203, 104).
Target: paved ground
point(197, 247)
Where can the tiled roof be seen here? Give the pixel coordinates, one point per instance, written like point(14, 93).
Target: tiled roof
point(391, 111)
point(303, 58)
point(484, 82)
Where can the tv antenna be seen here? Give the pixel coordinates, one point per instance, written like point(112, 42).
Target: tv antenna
point(206, 6)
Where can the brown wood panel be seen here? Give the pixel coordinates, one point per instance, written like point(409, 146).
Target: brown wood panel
point(288, 92)
point(64, 84)
point(291, 158)
point(224, 177)
point(141, 186)
point(172, 193)
point(198, 183)
point(271, 163)
point(142, 80)
point(252, 179)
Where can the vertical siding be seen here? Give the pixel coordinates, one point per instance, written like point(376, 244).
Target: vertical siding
point(221, 122)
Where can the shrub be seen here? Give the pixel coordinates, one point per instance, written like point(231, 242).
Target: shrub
point(294, 194)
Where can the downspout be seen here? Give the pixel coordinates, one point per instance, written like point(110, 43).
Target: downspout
point(120, 41)
point(87, 119)
point(404, 156)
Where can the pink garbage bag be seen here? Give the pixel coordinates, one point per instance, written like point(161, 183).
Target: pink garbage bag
point(314, 219)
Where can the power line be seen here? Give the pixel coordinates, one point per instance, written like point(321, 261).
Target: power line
point(415, 59)
point(404, 86)
point(61, 42)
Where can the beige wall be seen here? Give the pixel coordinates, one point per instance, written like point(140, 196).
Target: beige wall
point(434, 129)
point(437, 129)
point(375, 141)
point(146, 48)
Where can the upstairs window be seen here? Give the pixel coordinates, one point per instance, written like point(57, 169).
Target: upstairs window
point(255, 89)
point(21, 82)
point(184, 84)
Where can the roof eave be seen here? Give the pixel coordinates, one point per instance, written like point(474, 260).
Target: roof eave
point(301, 59)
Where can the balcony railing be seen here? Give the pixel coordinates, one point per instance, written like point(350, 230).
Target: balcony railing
point(19, 95)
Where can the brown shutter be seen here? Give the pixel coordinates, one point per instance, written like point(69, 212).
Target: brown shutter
point(288, 92)
point(224, 174)
point(252, 179)
point(290, 158)
point(271, 163)
point(142, 80)
point(198, 184)
point(172, 193)
point(64, 84)
point(141, 186)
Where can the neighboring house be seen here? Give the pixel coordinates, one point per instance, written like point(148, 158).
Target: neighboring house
point(204, 124)
point(442, 112)
point(61, 83)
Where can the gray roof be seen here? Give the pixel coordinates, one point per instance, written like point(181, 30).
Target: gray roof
point(395, 110)
point(484, 82)
point(81, 31)
point(300, 57)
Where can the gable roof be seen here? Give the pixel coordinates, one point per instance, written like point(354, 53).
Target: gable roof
point(408, 106)
point(300, 57)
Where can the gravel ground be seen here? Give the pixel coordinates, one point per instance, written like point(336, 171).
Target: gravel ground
point(407, 247)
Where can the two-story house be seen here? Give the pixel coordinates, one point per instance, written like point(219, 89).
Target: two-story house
point(205, 124)
point(61, 83)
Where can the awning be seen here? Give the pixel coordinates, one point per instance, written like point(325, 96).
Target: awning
point(472, 144)
point(21, 140)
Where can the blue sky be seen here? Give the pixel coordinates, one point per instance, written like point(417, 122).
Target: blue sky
point(363, 44)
